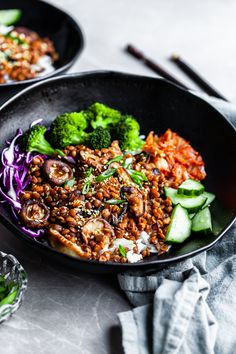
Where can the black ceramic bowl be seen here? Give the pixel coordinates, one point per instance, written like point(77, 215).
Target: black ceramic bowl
point(48, 21)
point(158, 105)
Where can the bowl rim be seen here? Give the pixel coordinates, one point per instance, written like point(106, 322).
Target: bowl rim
point(126, 266)
point(63, 68)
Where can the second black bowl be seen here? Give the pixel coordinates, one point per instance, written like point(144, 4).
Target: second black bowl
point(48, 21)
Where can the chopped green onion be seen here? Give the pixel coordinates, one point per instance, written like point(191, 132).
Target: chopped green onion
point(137, 177)
point(122, 251)
point(115, 159)
point(87, 180)
point(116, 201)
point(18, 40)
point(89, 172)
point(140, 175)
point(127, 163)
point(69, 183)
point(86, 187)
point(9, 298)
point(106, 174)
point(8, 292)
point(136, 180)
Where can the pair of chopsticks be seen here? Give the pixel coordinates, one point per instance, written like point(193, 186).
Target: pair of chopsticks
point(186, 68)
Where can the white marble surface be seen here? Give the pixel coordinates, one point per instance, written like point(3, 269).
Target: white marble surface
point(202, 31)
point(69, 312)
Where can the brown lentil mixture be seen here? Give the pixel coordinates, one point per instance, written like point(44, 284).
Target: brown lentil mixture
point(20, 50)
point(82, 222)
point(69, 212)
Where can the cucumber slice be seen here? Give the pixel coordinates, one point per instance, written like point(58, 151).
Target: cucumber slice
point(9, 17)
point(179, 228)
point(202, 221)
point(210, 197)
point(192, 204)
point(191, 187)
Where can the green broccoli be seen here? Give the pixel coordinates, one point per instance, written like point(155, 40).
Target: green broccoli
point(34, 140)
point(127, 132)
point(68, 129)
point(100, 138)
point(103, 116)
point(67, 134)
point(78, 119)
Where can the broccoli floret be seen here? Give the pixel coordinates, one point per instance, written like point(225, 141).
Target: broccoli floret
point(127, 132)
point(103, 116)
point(100, 138)
point(34, 140)
point(68, 129)
point(62, 135)
point(78, 119)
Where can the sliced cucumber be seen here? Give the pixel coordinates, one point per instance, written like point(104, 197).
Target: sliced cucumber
point(202, 221)
point(192, 204)
point(191, 187)
point(9, 17)
point(210, 197)
point(179, 228)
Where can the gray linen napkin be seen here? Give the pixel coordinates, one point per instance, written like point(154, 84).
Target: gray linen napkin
point(188, 307)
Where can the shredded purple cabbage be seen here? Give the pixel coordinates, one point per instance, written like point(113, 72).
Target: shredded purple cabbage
point(37, 121)
point(14, 178)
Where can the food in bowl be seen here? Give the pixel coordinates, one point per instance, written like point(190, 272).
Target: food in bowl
point(8, 292)
point(24, 54)
point(94, 188)
point(13, 283)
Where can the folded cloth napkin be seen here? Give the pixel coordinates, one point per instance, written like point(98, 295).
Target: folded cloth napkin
point(188, 307)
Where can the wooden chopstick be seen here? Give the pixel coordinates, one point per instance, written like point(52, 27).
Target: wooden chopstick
point(199, 80)
point(153, 66)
